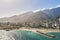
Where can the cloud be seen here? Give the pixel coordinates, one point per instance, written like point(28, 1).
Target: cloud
point(54, 7)
point(12, 7)
point(25, 11)
point(45, 9)
point(58, 6)
point(39, 10)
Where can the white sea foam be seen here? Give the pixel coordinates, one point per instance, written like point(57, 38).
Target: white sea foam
point(5, 35)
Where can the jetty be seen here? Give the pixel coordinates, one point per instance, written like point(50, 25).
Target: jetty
point(48, 35)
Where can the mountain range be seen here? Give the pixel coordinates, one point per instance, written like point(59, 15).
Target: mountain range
point(34, 17)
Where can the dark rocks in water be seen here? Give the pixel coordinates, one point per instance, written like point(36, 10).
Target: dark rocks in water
point(48, 35)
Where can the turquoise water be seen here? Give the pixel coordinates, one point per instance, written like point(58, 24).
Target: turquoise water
point(57, 34)
point(29, 35)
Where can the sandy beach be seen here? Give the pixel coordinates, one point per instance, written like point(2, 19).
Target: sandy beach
point(41, 30)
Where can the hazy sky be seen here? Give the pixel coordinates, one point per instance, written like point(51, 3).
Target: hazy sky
point(13, 7)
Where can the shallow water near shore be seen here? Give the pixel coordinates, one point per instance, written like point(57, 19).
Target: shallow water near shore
point(26, 35)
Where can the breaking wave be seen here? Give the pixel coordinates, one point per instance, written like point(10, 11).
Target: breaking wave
point(5, 35)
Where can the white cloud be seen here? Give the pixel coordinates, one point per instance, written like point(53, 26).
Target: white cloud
point(58, 6)
point(39, 10)
point(50, 8)
point(45, 9)
point(24, 11)
point(54, 7)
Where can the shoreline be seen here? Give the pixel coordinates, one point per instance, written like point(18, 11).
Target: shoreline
point(41, 30)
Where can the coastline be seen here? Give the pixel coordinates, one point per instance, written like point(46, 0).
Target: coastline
point(41, 30)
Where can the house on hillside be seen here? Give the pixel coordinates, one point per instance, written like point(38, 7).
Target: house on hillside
point(47, 24)
point(56, 24)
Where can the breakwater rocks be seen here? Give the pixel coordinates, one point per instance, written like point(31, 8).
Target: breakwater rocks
point(48, 35)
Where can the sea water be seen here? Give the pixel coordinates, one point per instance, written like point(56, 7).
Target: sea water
point(26, 35)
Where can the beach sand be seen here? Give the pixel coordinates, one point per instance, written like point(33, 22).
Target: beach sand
point(41, 30)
